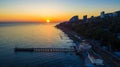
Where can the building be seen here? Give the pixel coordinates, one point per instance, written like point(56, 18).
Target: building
point(115, 14)
point(74, 19)
point(92, 17)
point(85, 18)
point(111, 15)
point(108, 15)
point(118, 13)
point(102, 15)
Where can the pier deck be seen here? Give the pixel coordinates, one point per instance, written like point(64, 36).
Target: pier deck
point(44, 49)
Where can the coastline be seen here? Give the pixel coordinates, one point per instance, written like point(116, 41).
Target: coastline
point(97, 48)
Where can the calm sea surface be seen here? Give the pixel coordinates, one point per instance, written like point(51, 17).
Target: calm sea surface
point(38, 36)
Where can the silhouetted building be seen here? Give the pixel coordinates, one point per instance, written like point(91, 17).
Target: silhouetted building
point(92, 17)
point(108, 15)
point(115, 14)
point(85, 18)
point(74, 19)
point(118, 13)
point(102, 15)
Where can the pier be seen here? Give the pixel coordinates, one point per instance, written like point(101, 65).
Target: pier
point(44, 49)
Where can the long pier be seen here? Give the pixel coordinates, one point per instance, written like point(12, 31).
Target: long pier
point(44, 49)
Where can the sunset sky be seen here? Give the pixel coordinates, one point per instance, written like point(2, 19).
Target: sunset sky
point(54, 10)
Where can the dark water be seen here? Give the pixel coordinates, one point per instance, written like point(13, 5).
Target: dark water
point(35, 35)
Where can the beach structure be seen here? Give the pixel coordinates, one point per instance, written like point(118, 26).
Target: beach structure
point(84, 46)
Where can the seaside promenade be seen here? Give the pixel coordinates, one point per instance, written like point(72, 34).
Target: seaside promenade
point(108, 58)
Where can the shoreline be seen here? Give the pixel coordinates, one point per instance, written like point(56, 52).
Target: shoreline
point(105, 55)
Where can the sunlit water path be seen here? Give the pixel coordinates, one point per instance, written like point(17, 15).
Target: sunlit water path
point(37, 36)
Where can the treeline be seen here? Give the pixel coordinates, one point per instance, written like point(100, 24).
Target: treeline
point(106, 30)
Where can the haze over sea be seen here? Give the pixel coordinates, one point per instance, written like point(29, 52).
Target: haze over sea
point(37, 35)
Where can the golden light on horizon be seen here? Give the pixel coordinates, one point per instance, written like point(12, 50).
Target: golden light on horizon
point(49, 11)
point(48, 21)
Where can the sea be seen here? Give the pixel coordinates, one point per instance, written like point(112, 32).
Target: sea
point(35, 35)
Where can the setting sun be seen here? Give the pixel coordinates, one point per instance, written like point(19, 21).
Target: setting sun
point(48, 21)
